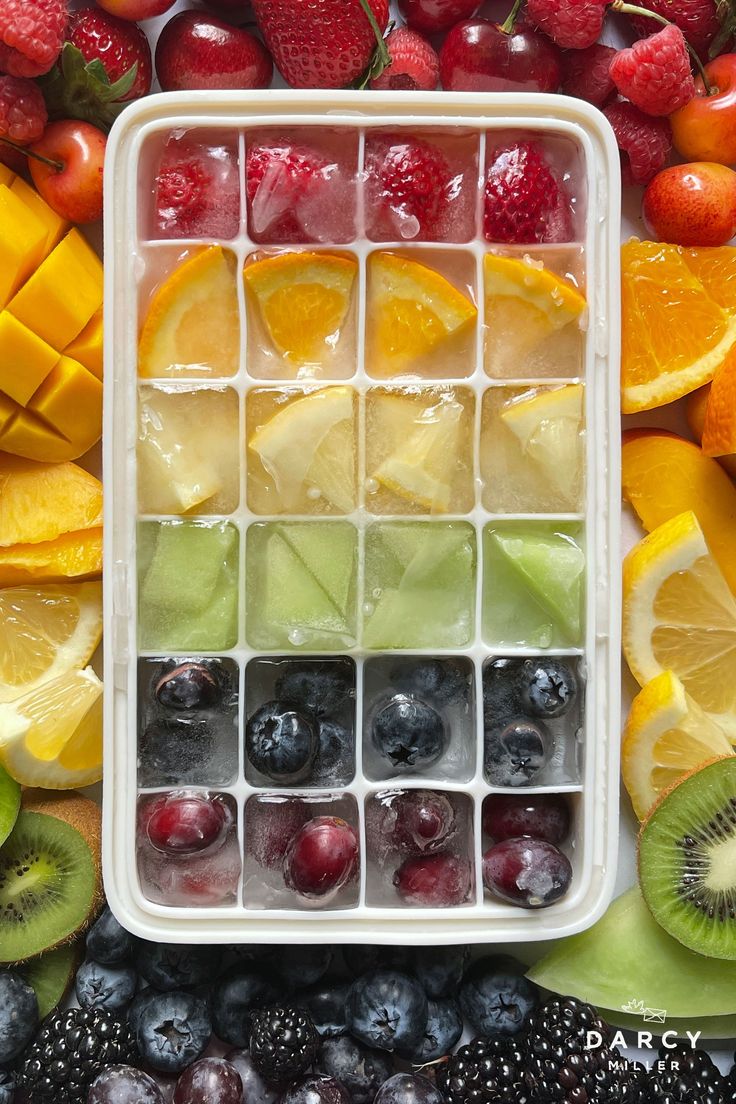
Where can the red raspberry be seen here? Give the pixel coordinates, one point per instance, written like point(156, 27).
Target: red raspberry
point(411, 182)
point(655, 73)
point(697, 19)
point(525, 201)
point(586, 74)
point(31, 35)
point(644, 143)
point(277, 175)
point(22, 110)
point(573, 24)
point(414, 64)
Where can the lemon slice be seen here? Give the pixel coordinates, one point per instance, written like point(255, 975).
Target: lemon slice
point(303, 299)
point(47, 630)
point(412, 310)
point(421, 468)
point(52, 736)
point(667, 735)
point(192, 325)
point(310, 441)
point(679, 615)
point(547, 427)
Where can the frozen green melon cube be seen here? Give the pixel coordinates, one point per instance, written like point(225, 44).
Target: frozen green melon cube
point(419, 585)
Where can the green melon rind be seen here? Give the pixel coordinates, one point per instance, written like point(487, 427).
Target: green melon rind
point(51, 975)
point(9, 804)
point(710, 1027)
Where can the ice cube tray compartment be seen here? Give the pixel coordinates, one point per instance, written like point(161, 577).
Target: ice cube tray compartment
point(224, 531)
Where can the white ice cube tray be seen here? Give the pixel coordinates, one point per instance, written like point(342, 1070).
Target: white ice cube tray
point(594, 797)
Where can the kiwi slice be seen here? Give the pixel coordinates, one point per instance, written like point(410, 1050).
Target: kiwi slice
point(687, 860)
point(51, 975)
point(9, 803)
point(48, 886)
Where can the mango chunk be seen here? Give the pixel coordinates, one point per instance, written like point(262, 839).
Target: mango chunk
point(25, 359)
point(30, 437)
point(55, 225)
point(75, 555)
point(70, 399)
point(7, 176)
point(87, 348)
point(8, 409)
point(22, 241)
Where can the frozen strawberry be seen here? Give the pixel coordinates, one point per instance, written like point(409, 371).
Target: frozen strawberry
point(644, 142)
point(22, 110)
point(281, 178)
point(655, 72)
point(409, 186)
point(414, 65)
point(586, 73)
point(574, 24)
point(31, 35)
point(197, 191)
point(525, 200)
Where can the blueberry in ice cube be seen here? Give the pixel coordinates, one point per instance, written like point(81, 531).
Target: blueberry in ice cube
point(232, 999)
point(547, 687)
point(515, 754)
point(444, 1028)
point(320, 687)
point(440, 970)
point(173, 1031)
point(169, 966)
point(335, 746)
point(173, 752)
point(316, 1088)
point(388, 1009)
point(281, 742)
point(495, 997)
point(106, 987)
point(501, 702)
point(408, 1088)
point(108, 941)
point(18, 1015)
point(361, 1070)
point(325, 1003)
point(442, 682)
point(408, 733)
point(189, 686)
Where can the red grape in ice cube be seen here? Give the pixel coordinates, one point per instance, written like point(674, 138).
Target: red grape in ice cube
point(209, 878)
point(270, 827)
point(321, 857)
point(527, 872)
point(424, 821)
point(480, 56)
point(209, 1081)
point(185, 823)
point(542, 816)
point(434, 881)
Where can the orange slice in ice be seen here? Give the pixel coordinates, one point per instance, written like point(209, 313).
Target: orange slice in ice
point(192, 323)
point(303, 300)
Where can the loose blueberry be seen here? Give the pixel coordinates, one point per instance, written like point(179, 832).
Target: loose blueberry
point(108, 942)
point(300, 967)
point(209, 1081)
point(174, 1029)
point(334, 756)
point(444, 1028)
point(388, 1010)
point(7, 1086)
point(186, 823)
point(547, 687)
point(361, 958)
point(495, 997)
point(280, 742)
point(434, 881)
point(500, 692)
point(316, 1088)
point(123, 1085)
point(136, 1007)
point(442, 682)
point(169, 966)
point(320, 687)
point(514, 755)
point(321, 858)
point(360, 1069)
point(527, 872)
point(18, 1015)
point(440, 970)
point(232, 999)
point(542, 816)
point(408, 1088)
point(407, 732)
point(173, 752)
point(255, 1089)
point(189, 686)
point(325, 1003)
point(108, 987)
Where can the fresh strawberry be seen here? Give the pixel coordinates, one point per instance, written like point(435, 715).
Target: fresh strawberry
point(525, 200)
point(655, 72)
point(117, 43)
point(644, 142)
point(323, 43)
point(31, 35)
point(587, 73)
point(573, 24)
point(22, 110)
point(414, 65)
point(697, 19)
point(409, 184)
point(279, 178)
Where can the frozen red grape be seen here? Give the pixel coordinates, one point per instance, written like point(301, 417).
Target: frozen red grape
point(186, 823)
point(543, 816)
point(321, 857)
point(531, 873)
point(434, 881)
point(424, 821)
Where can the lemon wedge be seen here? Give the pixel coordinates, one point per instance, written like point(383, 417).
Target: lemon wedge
point(547, 427)
point(422, 466)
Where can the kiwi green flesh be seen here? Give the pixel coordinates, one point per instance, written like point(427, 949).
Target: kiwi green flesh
point(627, 956)
point(51, 975)
point(9, 804)
point(47, 886)
point(687, 861)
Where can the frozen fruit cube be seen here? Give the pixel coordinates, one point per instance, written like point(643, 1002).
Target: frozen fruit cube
point(196, 190)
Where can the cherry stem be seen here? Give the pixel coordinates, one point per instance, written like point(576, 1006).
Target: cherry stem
point(508, 24)
point(634, 9)
point(57, 166)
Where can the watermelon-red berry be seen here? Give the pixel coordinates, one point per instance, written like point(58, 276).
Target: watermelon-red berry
point(644, 142)
point(573, 24)
point(586, 73)
point(655, 72)
point(31, 35)
point(22, 110)
point(414, 65)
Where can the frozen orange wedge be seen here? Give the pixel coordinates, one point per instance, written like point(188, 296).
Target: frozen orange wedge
point(192, 324)
point(40, 502)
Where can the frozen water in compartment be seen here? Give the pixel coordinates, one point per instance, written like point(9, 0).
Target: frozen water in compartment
point(190, 185)
point(188, 450)
point(302, 310)
point(421, 314)
point(533, 584)
point(305, 707)
point(534, 188)
point(420, 185)
point(419, 450)
point(187, 585)
point(187, 721)
point(301, 585)
point(187, 848)
point(419, 585)
point(301, 185)
point(535, 312)
point(189, 318)
point(419, 849)
point(275, 826)
point(419, 718)
point(531, 449)
point(533, 711)
point(302, 450)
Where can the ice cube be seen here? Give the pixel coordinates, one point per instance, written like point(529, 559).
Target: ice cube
point(196, 190)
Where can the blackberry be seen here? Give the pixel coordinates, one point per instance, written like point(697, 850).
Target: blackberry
point(486, 1071)
point(283, 1043)
point(70, 1050)
point(686, 1076)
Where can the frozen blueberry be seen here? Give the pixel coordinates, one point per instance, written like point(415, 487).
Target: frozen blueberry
point(173, 752)
point(514, 755)
point(495, 997)
point(7, 1086)
point(300, 966)
point(18, 1015)
point(387, 1009)
point(320, 687)
point(334, 757)
point(409, 733)
point(439, 681)
point(189, 686)
point(409, 1088)
point(316, 1088)
point(444, 1028)
point(500, 692)
point(547, 687)
point(108, 942)
point(108, 987)
point(440, 970)
point(169, 966)
point(173, 1031)
point(325, 1003)
point(280, 742)
point(361, 1070)
point(233, 997)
